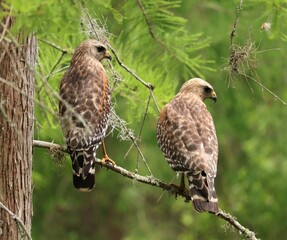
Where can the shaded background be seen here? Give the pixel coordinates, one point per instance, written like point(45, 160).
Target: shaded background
point(178, 41)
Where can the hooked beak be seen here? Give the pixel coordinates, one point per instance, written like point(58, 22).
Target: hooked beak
point(108, 55)
point(213, 96)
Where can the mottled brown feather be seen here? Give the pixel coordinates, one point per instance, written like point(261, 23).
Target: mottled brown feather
point(187, 137)
point(84, 109)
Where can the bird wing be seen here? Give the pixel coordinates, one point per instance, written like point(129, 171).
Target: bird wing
point(84, 111)
point(86, 102)
point(188, 139)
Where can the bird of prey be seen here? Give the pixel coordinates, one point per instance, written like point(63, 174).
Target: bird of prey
point(84, 107)
point(187, 137)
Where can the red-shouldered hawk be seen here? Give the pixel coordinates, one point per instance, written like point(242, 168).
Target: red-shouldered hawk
point(84, 109)
point(187, 137)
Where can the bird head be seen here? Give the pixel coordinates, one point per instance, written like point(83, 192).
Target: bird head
point(99, 51)
point(93, 48)
point(200, 88)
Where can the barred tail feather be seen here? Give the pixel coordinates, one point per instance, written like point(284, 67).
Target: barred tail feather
point(83, 163)
point(202, 204)
point(203, 193)
point(84, 185)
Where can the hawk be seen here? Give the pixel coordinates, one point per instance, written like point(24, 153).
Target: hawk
point(187, 137)
point(84, 107)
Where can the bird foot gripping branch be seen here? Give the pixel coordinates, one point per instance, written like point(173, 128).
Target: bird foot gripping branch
point(177, 190)
point(106, 160)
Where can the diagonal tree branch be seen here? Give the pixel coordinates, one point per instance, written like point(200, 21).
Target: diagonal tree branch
point(157, 183)
point(233, 222)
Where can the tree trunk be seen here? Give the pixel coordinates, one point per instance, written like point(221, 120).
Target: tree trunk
point(17, 73)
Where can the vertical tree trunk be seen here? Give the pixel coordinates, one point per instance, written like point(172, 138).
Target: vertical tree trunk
point(17, 64)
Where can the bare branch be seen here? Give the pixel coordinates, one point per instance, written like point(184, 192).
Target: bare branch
point(265, 88)
point(148, 22)
point(138, 138)
point(5, 26)
point(245, 56)
point(55, 46)
point(56, 64)
point(154, 99)
point(160, 184)
point(146, 84)
point(233, 32)
point(170, 49)
point(150, 28)
point(52, 71)
point(233, 222)
point(18, 222)
point(120, 62)
point(119, 121)
point(48, 145)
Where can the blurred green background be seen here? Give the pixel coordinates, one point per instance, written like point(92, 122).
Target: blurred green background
point(177, 41)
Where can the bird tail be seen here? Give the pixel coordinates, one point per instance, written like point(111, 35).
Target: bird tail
point(203, 193)
point(83, 163)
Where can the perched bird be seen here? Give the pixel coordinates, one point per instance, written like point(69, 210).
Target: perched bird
point(187, 137)
point(84, 107)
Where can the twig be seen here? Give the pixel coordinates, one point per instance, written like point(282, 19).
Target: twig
point(52, 71)
point(146, 84)
point(120, 62)
point(154, 100)
point(6, 26)
point(56, 64)
point(55, 46)
point(160, 184)
point(233, 32)
point(265, 88)
point(232, 221)
point(17, 220)
point(150, 28)
point(49, 145)
point(132, 138)
point(144, 116)
point(165, 46)
point(138, 138)
point(246, 55)
point(148, 22)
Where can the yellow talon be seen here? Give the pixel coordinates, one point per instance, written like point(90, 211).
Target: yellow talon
point(106, 159)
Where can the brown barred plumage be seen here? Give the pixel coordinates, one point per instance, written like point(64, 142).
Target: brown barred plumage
point(84, 109)
point(187, 137)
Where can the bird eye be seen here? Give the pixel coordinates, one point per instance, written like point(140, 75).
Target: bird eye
point(207, 89)
point(100, 49)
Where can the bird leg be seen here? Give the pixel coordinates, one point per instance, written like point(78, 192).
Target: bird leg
point(182, 184)
point(181, 187)
point(106, 159)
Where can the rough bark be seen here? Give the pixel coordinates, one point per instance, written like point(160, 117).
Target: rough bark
point(17, 63)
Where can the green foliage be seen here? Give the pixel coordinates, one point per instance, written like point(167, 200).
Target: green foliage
point(165, 43)
point(45, 17)
point(160, 15)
